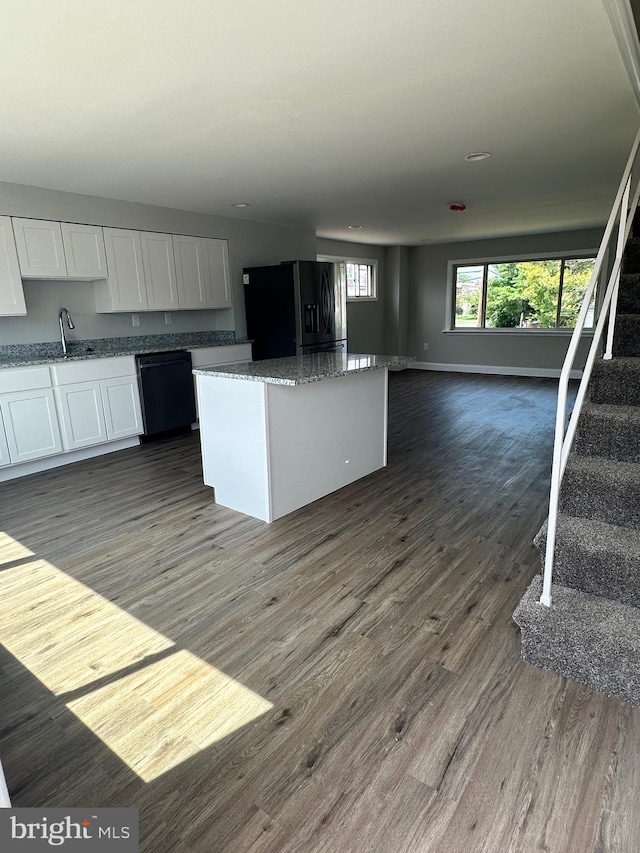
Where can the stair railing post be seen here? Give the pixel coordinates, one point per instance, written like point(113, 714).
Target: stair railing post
point(554, 496)
point(620, 244)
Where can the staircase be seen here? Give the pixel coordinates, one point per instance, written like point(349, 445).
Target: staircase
point(591, 632)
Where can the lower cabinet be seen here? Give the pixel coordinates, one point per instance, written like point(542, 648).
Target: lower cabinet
point(99, 409)
point(81, 415)
point(30, 424)
point(122, 412)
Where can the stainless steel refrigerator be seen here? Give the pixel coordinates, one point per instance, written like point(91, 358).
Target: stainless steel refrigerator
point(295, 308)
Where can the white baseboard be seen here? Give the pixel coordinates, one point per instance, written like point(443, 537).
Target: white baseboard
point(500, 369)
point(12, 472)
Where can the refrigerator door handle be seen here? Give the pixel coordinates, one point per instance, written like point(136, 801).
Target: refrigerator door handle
point(327, 302)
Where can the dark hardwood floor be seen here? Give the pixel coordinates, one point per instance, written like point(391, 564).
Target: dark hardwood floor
point(344, 680)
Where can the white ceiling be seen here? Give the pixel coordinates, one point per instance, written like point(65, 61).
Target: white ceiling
point(323, 113)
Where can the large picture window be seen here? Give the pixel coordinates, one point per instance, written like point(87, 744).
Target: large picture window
point(521, 294)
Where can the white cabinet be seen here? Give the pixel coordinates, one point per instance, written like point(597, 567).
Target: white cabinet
point(122, 411)
point(81, 415)
point(202, 270)
point(84, 251)
point(11, 291)
point(98, 400)
point(59, 249)
point(159, 271)
point(142, 274)
point(190, 272)
point(31, 424)
point(125, 288)
point(40, 248)
point(216, 264)
point(4, 447)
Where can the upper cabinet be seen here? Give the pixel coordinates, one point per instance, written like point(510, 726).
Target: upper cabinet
point(125, 289)
point(159, 271)
point(202, 270)
point(11, 292)
point(132, 270)
point(216, 264)
point(152, 271)
point(40, 249)
point(59, 249)
point(84, 251)
point(142, 273)
point(190, 271)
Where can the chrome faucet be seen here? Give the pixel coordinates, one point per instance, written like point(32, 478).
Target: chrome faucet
point(70, 324)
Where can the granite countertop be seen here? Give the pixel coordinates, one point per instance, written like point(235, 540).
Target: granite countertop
point(23, 355)
point(301, 369)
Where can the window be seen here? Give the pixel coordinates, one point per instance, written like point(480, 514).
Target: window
point(544, 293)
point(358, 274)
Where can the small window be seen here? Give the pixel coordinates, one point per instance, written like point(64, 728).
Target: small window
point(533, 294)
point(359, 276)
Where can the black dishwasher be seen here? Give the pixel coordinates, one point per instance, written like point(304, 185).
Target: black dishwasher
point(166, 393)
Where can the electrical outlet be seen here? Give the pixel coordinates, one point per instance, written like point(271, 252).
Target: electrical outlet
point(135, 319)
point(425, 346)
point(167, 317)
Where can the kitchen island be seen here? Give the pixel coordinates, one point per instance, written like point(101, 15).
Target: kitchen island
point(281, 433)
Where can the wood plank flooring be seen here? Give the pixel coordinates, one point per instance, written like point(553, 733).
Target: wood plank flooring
point(344, 680)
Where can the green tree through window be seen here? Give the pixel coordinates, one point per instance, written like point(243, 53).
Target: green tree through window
point(542, 294)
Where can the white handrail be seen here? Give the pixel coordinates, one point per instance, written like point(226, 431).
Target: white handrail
point(564, 438)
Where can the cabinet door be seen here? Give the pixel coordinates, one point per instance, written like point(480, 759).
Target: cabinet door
point(126, 281)
point(4, 447)
point(190, 272)
point(11, 292)
point(84, 251)
point(216, 261)
point(31, 424)
point(81, 415)
point(159, 271)
point(121, 400)
point(40, 248)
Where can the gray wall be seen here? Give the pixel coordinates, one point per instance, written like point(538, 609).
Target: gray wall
point(397, 300)
point(365, 320)
point(427, 305)
point(250, 243)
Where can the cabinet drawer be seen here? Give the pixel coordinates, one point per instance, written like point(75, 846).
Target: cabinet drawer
point(93, 369)
point(24, 379)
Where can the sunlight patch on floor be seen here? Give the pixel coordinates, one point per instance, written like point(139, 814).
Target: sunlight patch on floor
point(65, 633)
point(11, 549)
point(158, 717)
point(70, 638)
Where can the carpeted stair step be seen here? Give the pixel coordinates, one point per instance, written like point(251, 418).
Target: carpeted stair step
point(631, 256)
point(611, 431)
point(626, 338)
point(598, 558)
point(629, 294)
point(587, 638)
point(601, 489)
point(616, 381)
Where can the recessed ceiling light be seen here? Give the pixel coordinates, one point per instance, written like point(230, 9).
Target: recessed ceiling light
point(240, 204)
point(354, 227)
point(477, 155)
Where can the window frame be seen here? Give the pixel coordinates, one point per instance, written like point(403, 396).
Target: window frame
point(372, 262)
point(450, 326)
